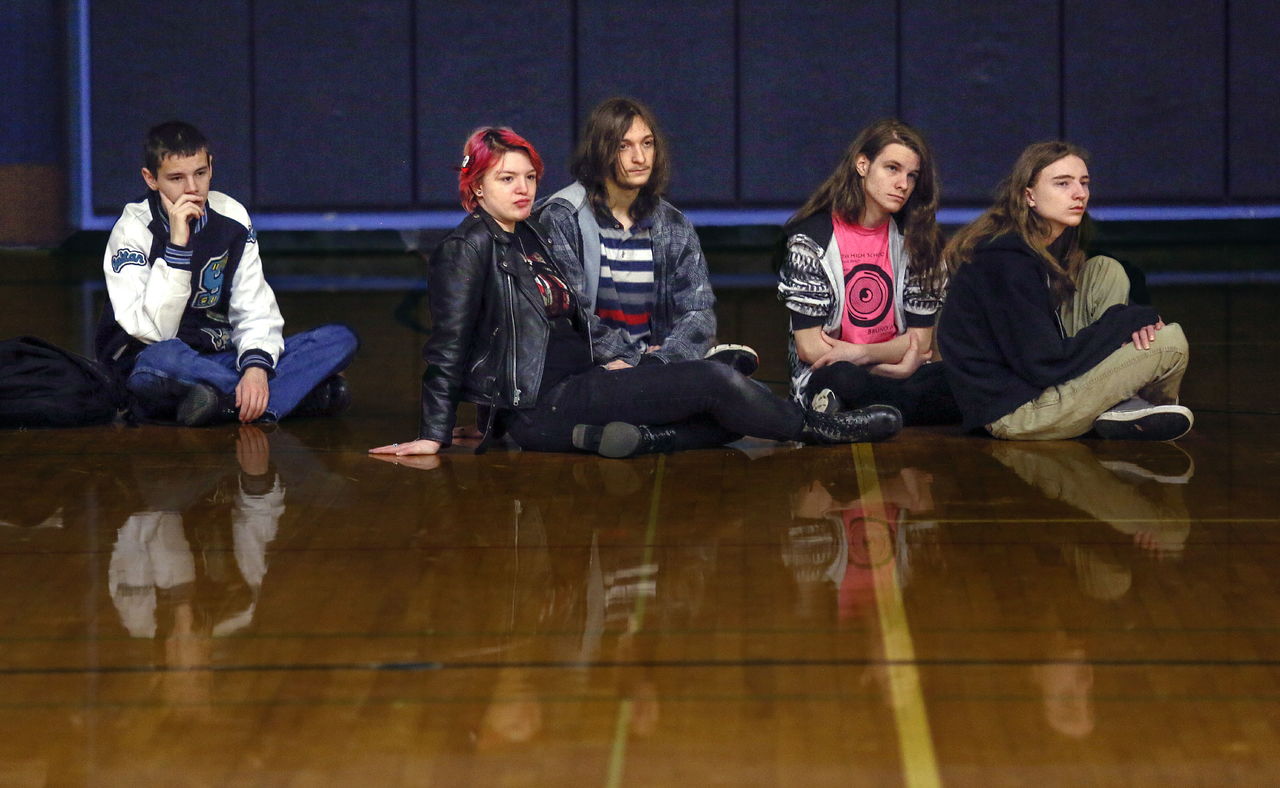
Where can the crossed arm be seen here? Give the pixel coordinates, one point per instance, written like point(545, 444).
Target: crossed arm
point(898, 358)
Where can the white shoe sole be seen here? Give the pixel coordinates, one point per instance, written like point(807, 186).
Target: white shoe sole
point(1155, 423)
point(746, 363)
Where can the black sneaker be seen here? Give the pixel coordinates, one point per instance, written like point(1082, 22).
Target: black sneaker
point(826, 401)
point(862, 425)
point(204, 405)
point(1137, 419)
point(339, 395)
point(330, 397)
point(740, 357)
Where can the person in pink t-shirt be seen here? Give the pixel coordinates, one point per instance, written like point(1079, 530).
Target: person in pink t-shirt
point(863, 280)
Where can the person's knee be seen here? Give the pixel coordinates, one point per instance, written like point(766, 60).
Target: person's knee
point(338, 337)
point(1107, 275)
point(1101, 264)
point(1172, 336)
point(720, 378)
point(341, 336)
point(163, 355)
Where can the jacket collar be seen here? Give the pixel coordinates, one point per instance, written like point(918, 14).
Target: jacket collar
point(502, 236)
point(502, 253)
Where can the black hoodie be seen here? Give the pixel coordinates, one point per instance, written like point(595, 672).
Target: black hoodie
point(1001, 336)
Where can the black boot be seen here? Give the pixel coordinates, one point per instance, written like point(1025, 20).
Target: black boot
point(863, 425)
point(330, 397)
point(204, 405)
point(618, 439)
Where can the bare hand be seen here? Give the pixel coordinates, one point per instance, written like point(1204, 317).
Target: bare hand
point(187, 209)
point(253, 452)
point(653, 348)
point(420, 462)
point(617, 363)
point(1143, 337)
point(252, 394)
point(839, 350)
point(467, 433)
point(420, 446)
point(912, 360)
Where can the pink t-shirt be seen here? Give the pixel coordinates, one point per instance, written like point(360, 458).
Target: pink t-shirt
point(868, 283)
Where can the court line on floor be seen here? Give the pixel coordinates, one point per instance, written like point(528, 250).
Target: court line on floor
point(622, 725)
point(246, 637)
point(678, 664)
point(910, 718)
point(870, 697)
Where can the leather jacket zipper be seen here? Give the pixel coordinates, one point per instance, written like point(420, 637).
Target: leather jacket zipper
point(511, 314)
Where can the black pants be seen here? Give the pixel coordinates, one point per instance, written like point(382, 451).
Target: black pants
point(924, 398)
point(707, 403)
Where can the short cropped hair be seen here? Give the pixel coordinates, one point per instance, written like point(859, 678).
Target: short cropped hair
point(174, 138)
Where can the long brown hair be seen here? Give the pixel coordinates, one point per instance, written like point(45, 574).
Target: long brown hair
point(842, 194)
point(596, 156)
point(1011, 213)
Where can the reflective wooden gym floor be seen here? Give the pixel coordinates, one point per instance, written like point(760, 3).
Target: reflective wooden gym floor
point(245, 605)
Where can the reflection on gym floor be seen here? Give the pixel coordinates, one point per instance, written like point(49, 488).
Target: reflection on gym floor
point(270, 604)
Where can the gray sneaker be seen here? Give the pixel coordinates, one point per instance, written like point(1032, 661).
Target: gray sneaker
point(740, 357)
point(1137, 419)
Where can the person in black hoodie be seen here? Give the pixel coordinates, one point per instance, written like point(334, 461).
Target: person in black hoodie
point(1041, 343)
point(510, 334)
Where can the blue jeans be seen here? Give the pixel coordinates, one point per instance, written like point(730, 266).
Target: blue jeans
point(165, 371)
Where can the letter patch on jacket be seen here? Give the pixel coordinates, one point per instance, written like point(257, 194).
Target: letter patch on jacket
point(210, 281)
point(124, 257)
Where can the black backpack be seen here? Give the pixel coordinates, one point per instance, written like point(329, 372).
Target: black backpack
point(42, 385)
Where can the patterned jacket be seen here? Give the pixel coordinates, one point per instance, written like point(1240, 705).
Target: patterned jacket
point(683, 320)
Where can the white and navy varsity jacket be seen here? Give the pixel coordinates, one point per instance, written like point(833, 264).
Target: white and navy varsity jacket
point(210, 294)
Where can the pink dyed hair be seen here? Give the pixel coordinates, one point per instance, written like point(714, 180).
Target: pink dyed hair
point(483, 149)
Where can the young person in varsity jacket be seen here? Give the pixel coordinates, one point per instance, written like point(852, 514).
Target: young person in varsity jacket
point(191, 328)
point(633, 257)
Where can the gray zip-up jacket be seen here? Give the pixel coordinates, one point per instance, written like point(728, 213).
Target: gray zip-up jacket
point(683, 320)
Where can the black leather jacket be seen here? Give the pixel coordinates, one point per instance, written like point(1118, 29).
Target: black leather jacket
point(489, 331)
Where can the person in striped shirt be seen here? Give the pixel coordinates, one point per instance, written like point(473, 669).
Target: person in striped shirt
point(635, 259)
